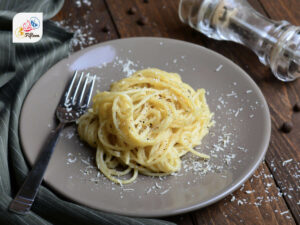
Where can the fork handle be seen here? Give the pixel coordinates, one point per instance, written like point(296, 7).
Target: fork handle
point(27, 193)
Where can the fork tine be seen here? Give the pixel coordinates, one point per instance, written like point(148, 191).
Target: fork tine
point(86, 97)
point(91, 90)
point(87, 77)
point(77, 88)
point(64, 98)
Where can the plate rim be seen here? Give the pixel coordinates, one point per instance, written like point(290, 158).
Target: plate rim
point(187, 209)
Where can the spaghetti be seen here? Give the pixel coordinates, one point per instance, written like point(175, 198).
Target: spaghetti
point(144, 124)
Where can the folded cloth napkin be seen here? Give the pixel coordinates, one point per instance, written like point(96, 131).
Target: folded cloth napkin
point(20, 66)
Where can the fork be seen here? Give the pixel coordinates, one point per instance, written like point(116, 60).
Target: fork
point(71, 106)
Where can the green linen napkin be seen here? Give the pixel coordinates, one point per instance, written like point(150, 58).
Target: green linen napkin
point(20, 66)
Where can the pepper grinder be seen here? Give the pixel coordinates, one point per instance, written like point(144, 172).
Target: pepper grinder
point(276, 43)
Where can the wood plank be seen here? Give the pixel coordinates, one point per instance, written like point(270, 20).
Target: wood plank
point(283, 10)
point(163, 21)
point(281, 98)
point(257, 202)
point(87, 21)
point(284, 152)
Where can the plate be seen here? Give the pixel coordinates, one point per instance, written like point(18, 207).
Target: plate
point(237, 143)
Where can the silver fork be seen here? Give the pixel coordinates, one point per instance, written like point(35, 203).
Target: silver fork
point(71, 106)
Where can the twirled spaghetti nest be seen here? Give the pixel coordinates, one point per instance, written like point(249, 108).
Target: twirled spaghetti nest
point(144, 124)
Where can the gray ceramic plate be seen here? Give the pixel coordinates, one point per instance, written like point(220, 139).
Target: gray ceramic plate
point(236, 144)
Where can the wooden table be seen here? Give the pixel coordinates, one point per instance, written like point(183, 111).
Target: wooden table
point(272, 195)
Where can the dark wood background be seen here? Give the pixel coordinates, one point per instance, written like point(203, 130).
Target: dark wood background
point(276, 199)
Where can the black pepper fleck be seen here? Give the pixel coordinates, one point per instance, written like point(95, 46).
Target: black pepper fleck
point(146, 1)
point(106, 29)
point(287, 127)
point(296, 107)
point(132, 11)
point(143, 21)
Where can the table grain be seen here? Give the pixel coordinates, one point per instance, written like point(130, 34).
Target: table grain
point(271, 195)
